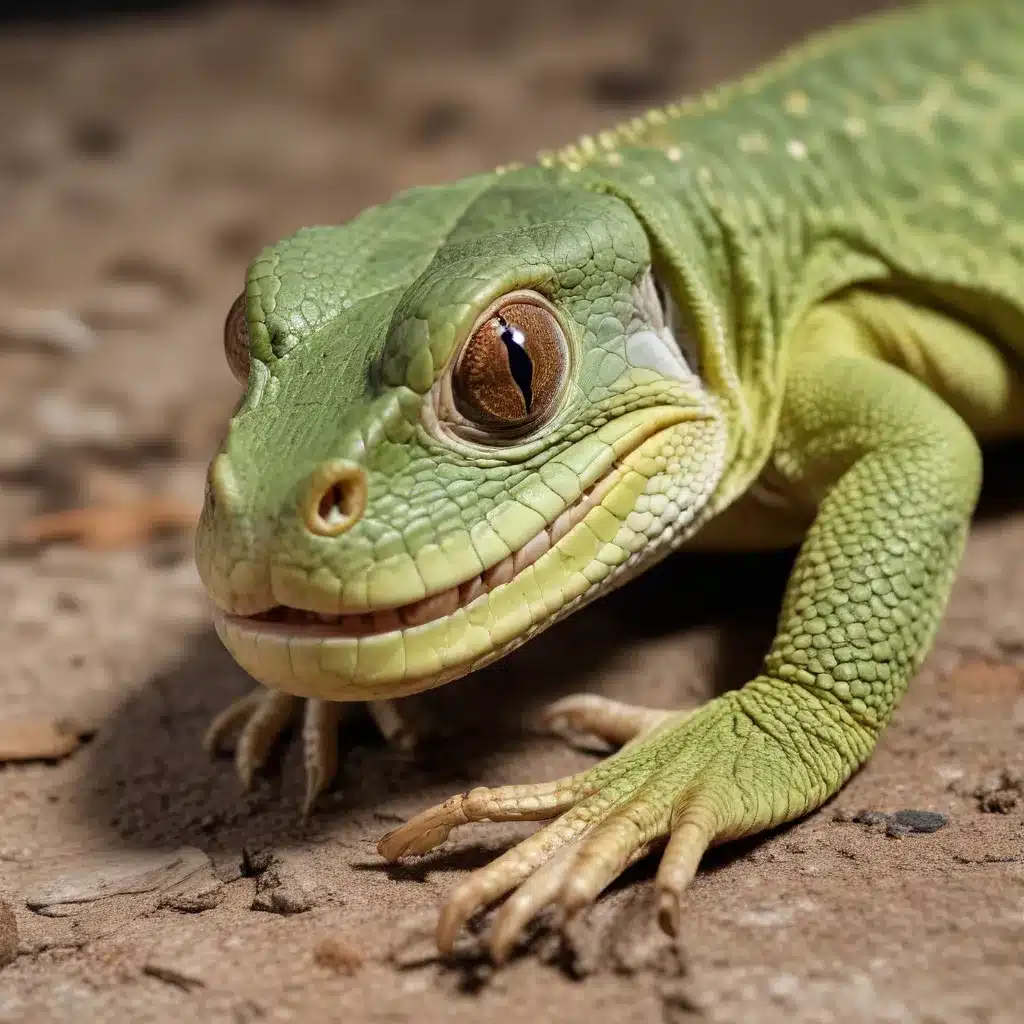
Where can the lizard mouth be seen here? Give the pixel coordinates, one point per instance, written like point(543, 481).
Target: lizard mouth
point(285, 622)
point(398, 649)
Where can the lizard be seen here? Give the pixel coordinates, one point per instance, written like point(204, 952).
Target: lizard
point(786, 312)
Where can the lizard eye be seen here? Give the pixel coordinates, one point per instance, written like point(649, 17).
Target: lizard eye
point(510, 372)
point(236, 339)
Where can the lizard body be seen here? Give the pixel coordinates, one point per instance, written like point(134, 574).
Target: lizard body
point(786, 310)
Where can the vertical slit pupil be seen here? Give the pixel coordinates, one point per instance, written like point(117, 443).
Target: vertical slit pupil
point(519, 361)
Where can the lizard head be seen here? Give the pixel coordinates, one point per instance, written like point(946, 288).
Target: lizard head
point(465, 416)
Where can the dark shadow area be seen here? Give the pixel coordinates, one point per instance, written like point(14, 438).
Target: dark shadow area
point(150, 780)
point(1002, 492)
point(48, 12)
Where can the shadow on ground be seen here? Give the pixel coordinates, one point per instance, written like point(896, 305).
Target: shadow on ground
point(150, 781)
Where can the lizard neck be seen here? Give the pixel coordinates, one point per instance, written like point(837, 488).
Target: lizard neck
point(723, 302)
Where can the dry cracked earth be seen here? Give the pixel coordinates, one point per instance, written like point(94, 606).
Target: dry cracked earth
point(142, 162)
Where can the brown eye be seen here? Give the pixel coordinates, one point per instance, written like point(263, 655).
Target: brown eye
point(510, 371)
point(236, 339)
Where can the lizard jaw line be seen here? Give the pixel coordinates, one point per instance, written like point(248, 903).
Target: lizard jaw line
point(284, 622)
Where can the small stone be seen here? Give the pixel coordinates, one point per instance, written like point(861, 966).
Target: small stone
point(281, 888)
point(1001, 794)
point(337, 955)
point(36, 739)
point(906, 822)
point(8, 934)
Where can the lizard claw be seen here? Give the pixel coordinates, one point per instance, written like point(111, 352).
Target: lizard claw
point(395, 726)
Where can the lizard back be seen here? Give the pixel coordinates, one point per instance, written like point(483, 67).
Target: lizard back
point(889, 155)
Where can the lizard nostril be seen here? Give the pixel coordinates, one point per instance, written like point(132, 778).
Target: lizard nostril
point(335, 498)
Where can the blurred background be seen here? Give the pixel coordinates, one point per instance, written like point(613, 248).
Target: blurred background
point(147, 152)
point(150, 149)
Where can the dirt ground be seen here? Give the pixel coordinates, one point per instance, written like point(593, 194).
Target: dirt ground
point(141, 164)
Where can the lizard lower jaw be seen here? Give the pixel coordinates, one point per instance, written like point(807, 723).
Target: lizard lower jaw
point(283, 622)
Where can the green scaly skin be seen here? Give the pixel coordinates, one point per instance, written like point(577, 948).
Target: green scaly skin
point(841, 240)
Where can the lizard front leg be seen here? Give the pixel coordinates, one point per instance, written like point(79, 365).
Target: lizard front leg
point(893, 473)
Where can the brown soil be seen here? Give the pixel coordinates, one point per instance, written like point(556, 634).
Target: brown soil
point(141, 164)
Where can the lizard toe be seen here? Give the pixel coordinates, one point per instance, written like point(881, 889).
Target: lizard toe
point(397, 728)
point(612, 721)
point(536, 893)
point(320, 747)
point(431, 827)
point(259, 718)
point(692, 834)
point(226, 722)
point(271, 716)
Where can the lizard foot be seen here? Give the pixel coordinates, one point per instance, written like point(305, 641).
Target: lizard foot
point(695, 779)
point(260, 717)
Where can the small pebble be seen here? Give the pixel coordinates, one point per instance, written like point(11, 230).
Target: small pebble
point(337, 955)
point(283, 888)
point(917, 821)
point(900, 823)
point(36, 739)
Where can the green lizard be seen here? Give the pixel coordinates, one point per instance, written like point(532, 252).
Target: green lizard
point(786, 310)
